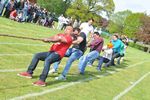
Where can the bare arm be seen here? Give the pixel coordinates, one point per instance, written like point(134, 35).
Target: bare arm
point(78, 41)
point(55, 39)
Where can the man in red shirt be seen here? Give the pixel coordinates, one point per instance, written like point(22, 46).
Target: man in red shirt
point(57, 51)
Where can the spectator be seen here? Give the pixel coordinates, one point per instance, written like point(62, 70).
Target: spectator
point(60, 22)
point(19, 17)
point(87, 27)
point(13, 15)
point(76, 24)
point(9, 8)
point(2, 5)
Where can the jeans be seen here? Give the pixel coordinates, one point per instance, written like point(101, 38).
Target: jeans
point(118, 61)
point(101, 61)
point(48, 58)
point(111, 62)
point(73, 55)
point(1, 8)
point(91, 61)
point(86, 58)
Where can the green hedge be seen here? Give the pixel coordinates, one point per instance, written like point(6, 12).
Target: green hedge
point(138, 46)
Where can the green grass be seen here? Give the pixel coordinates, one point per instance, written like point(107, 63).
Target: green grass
point(104, 88)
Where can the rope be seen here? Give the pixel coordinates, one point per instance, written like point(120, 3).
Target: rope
point(21, 37)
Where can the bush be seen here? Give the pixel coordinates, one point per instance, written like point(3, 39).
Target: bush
point(138, 46)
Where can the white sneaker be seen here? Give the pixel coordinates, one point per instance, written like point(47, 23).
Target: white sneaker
point(61, 77)
point(52, 71)
point(89, 65)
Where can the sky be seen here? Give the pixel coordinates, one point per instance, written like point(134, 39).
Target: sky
point(133, 5)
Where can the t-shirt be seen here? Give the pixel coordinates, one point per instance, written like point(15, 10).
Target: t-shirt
point(13, 14)
point(86, 28)
point(82, 45)
point(61, 47)
point(107, 53)
point(97, 44)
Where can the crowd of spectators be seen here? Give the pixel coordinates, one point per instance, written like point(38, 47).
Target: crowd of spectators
point(25, 11)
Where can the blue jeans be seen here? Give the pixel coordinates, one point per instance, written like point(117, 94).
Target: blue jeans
point(118, 62)
point(101, 61)
point(48, 58)
point(1, 8)
point(86, 58)
point(73, 55)
point(111, 62)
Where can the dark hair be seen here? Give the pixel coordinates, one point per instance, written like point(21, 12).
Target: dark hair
point(116, 36)
point(78, 29)
point(91, 19)
point(97, 33)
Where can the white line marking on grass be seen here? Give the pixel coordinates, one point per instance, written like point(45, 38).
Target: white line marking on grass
point(66, 85)
point(129, 88)
point(5, 43)
point(50, 90)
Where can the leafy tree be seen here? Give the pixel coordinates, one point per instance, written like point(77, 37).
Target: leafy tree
point(143, 33)
point(117, 21)
point(55, 6)
point(132, 24)
point(85, 9)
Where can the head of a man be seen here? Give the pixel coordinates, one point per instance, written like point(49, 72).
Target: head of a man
point(76, 31)
point(90, 21)
point(68, 30)
point(96, 35)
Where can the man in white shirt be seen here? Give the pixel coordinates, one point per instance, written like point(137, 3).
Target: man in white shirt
point(60, 22)
point(87, 27)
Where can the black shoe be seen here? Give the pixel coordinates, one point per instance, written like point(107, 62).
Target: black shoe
point(113, 65)
point(106, 65)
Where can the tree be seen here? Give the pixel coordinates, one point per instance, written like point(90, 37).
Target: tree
point(132, 24)
point(55, 6)
point(143, 33)
point(85, 9)
point(117, 21)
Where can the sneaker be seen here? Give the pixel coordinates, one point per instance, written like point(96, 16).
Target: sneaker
point(52, 71)
point(98, 69)
point(25, 74)
point(61, 77)
point(113, 64)
point(106, 65)
point(39, 83)
point(89, 65)
point(79, 72)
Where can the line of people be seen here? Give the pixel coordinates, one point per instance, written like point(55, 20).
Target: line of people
point(26, 11)
point(78, 38)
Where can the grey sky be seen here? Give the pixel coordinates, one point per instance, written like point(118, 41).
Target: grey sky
point(133, 5)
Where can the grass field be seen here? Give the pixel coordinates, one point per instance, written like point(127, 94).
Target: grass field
point(128, 81)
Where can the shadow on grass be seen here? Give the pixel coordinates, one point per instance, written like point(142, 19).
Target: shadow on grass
point(94, 74)
point(76, 77)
